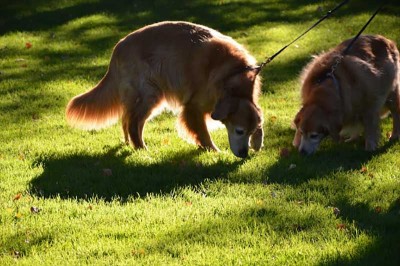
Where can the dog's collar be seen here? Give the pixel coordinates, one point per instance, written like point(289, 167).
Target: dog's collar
point(336, 83)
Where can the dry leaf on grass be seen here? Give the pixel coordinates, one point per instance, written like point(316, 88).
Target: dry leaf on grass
point(341, 226)
point(107, 172)
point(364, 170)
point(35, 209)
point(284, 152)
point(336, 211)
point(378, 209)
point(18, 196)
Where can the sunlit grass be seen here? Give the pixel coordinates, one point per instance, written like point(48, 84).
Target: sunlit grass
point(72, 197)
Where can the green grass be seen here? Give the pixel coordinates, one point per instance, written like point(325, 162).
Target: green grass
point(173, 204)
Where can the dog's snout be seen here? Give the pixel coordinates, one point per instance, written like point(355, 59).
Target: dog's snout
point(306, 152)
point(243, 153)
point(303, 152)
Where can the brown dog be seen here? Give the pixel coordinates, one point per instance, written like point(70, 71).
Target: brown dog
point(342, 95)
point(185, 65)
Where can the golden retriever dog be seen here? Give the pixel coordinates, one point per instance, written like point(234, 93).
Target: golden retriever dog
point(343, 95)
point(191, 67)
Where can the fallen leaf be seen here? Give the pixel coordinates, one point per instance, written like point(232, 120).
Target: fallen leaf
point(90, 207)
point(273, 118)
point(371, 175)
point(336, 211)
point(18, 196)
point(107, 172)
point(298, 227)
point(28, 45)
point(188, 203)
point(21, 157)
point(24, 65)
point(138, 252)
point(18, 215)
point(378, 209)
point(35, 209)
point(16, 254)
point(284, 152)
point(364, 170)
point(341, 226)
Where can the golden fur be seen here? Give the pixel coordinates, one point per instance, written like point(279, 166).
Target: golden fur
point(364, 81)
point(188, 66)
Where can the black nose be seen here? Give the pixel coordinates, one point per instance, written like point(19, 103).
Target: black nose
point(304, 152)
point(243, 153)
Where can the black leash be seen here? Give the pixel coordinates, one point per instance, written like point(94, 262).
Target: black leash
point(361, 31)
point(345, 52)
point(269, 59)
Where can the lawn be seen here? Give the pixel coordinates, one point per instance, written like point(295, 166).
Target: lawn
point(73, 197)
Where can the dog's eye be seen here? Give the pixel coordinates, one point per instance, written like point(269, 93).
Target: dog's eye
point(239, 131)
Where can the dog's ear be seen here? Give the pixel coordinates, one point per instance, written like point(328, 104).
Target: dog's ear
point(297, 118)
point(297, 138)
point(295, 124)
point(224, 107)
point(252, 74)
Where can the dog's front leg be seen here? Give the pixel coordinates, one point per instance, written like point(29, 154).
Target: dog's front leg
point(194, 122)
point(371, 126)
point(256, 140)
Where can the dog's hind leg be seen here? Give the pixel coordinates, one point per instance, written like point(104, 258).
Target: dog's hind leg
point(393, 103)
point(135, 116)
point(194, 122)
point(125, 126)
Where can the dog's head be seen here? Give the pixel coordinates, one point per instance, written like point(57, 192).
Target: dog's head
point(312, 125)
point(243, 120)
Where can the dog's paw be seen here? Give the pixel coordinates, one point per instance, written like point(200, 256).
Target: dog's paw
point(370, 145)
point(394, 137)
point(256, 140)
point(351, 138)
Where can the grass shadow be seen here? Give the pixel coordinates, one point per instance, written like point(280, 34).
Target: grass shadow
point(269, 222)
point(296, 169)
point(110, 176)
point(384, 249)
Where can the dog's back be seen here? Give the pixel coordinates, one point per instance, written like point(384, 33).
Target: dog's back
point(372, 63)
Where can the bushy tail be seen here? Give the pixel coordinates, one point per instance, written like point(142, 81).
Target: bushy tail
point(98, 108)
